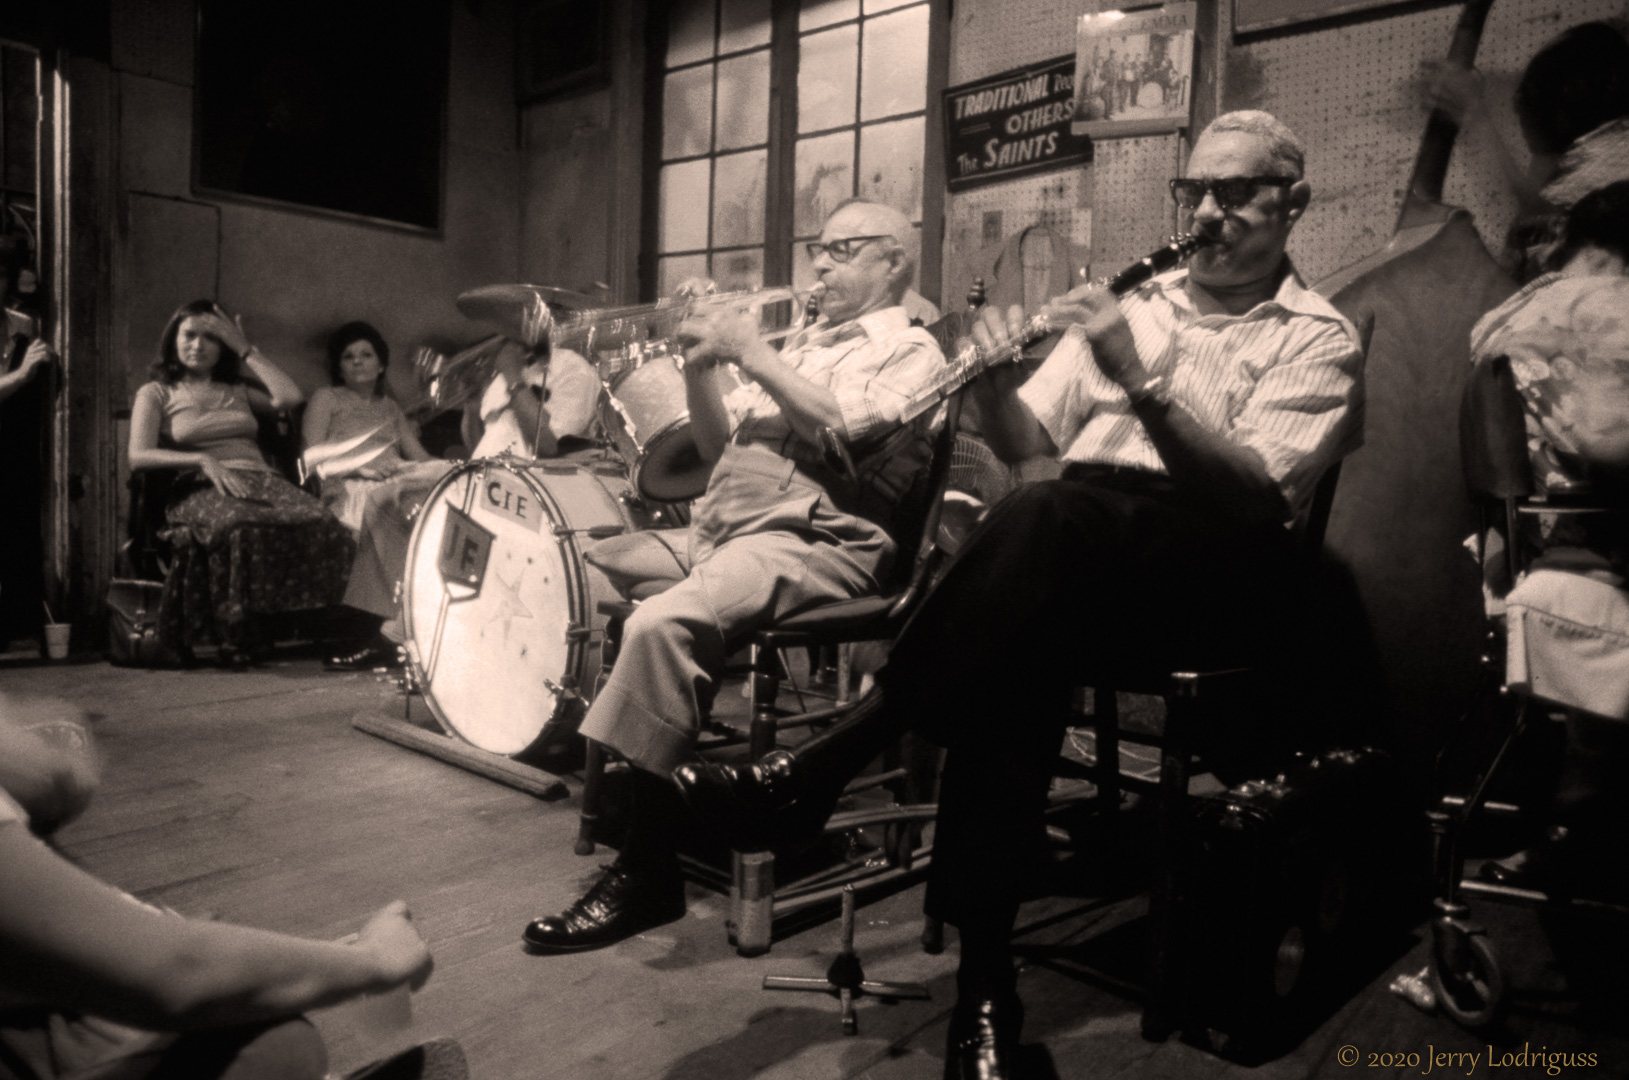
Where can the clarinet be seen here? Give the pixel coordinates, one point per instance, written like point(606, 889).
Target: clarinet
point(973, 361)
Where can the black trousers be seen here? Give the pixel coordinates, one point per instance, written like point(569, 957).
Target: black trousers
point(1065, 582)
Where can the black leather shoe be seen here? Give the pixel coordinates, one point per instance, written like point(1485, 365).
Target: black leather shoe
point(368, 657)
point(740, 802)
point(620, 904)
point(982, 1043)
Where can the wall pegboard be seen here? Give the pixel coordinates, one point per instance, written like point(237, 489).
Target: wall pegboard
point(986, 216)
point(1132, 211)
point(988, 36)
point(1350, 91)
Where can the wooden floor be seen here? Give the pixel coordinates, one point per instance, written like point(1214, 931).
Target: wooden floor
point(249, 797)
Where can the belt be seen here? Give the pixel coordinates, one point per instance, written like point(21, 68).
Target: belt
point(1115, 474)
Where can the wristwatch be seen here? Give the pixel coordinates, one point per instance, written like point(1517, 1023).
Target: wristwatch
point(1155, 390)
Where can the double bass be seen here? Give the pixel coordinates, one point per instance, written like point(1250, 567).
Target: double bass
point(1401, 512)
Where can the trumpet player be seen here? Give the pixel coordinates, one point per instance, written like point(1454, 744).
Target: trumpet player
point(777, 532)
point(1194, 417)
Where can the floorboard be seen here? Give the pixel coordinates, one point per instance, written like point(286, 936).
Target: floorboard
point(250, 797)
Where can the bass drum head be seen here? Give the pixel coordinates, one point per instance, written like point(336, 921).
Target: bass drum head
point(498, 602)
point(671, 469)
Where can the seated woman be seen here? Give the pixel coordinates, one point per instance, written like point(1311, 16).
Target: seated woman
point(247, 542)
point(1567, 615)
point(113, 989)
point(356, 435)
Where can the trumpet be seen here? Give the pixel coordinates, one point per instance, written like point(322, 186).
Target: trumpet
point(591, 332)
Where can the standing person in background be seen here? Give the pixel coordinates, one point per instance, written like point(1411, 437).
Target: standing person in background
point(25, 386)
point(1573, 105)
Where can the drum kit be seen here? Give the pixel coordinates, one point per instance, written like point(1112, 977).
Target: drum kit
point(500, 604)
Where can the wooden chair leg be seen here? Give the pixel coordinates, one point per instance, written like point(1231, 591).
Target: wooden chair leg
point(752, 874)
point(1106, 728)
point(1167, 902)
point(589, 815)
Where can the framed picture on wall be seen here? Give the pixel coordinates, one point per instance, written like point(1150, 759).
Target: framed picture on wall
point(1250, 16)
point(1134, 71)
point(327, 106)
point(562, 45)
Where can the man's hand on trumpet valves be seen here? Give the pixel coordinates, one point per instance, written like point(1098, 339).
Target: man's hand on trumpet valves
point(723, 336)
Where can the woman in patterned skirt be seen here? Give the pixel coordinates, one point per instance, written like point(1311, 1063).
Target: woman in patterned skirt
point(247, 543)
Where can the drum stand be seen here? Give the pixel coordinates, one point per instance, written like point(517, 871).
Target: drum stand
point(846, 978)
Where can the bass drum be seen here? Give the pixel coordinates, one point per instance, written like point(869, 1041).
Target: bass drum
point(499, 603)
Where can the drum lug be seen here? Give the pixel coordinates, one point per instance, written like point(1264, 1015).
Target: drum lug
point(578, 633)
point(601, 532)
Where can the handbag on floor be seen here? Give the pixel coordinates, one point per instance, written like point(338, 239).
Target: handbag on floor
point(132, 625)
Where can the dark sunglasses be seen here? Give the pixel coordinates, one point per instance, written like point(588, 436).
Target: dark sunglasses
point(841, 251)
point(1231, 192)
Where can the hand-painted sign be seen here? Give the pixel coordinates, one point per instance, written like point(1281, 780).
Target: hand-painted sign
point(465, 549)
point(1013, 123)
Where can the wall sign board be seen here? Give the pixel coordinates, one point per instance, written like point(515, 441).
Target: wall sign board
point(1011, 124)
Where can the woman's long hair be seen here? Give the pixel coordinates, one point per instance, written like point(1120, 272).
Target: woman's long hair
point(344, 338)
point(168, 368)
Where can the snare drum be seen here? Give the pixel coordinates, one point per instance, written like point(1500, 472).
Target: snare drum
point(498, 601)
point(647, 418)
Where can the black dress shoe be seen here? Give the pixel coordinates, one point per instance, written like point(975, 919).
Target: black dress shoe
point(982, 1043)
point(741, 803)
point(379, 654)
point(621, 904)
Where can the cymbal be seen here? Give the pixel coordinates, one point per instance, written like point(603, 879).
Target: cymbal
point(505, 307)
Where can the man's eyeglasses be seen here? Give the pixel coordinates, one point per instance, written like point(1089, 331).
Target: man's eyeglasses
point(1231, 192)
point(841, 251)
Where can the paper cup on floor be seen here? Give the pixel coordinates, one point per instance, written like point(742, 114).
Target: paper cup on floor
point(56, 640)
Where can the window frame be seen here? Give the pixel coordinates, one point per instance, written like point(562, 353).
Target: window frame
point(781, 145)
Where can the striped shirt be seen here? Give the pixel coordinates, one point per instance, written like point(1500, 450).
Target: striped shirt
point(872, 365)
point(1283, 380)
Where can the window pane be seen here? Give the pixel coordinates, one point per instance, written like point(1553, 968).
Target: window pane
point(874, 6)
point(803, 277)
point(825, 177)
point(689, 31)
point(739, 270)
point(738, 198)
point(687, 112)
point(891, 165)
point(743, 101)
point(895, 75)
point(825, 12)
point(743, 24)
point(827, 63)
point(670, 272)
point(682, 215)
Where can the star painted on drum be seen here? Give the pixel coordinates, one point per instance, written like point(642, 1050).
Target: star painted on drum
point(509, 606)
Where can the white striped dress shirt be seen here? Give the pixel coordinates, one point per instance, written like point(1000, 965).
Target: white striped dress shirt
point(1283, 380)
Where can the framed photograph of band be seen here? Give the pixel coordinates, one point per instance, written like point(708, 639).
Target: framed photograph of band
point(1134, 71)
